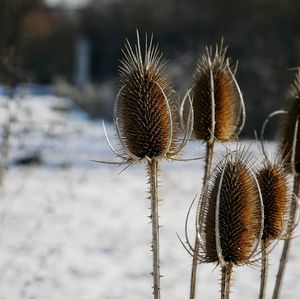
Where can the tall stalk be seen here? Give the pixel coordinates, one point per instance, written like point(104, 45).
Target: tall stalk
point(208, 162)
point(226, 281)
point(264, 270)
point(153, 179)
point(148, 124)
point(287, 242)
point(5, 145)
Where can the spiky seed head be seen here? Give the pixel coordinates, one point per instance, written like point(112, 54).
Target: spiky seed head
point(275, 190)
point(147, 112)
point(288, 126)
point(214, 76)
point(239, 214)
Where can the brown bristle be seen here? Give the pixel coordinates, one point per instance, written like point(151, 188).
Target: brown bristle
point(226, 97)
point(147, 113)
point(287, 128)
point(274, 187)
point(239, 212)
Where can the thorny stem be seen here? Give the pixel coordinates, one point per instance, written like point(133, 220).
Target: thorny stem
point(153, 175)
point(287, 242)
point(208, 161)
point(194, 271)
point(264, 270)
point(226, 281)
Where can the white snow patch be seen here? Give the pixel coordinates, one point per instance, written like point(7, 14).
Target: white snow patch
point(71, 228)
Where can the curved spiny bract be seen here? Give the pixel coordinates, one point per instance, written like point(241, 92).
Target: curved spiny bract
point(239, 215)
point(214, 77)
point(276, 196)
point(147, 113)
point(288, 128)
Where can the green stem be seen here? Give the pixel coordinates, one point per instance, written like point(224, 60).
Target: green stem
point(287, 242)
point(208, 161)
point(226, 281)
point(153, 174)
point(264, 270)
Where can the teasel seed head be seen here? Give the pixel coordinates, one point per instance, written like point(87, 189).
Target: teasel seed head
point(290, 130)
point(276, 195)
point(217, 100)
point(230, 217)
point(146, 111)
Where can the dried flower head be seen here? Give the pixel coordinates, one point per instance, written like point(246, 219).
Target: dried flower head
point(146, 111)
point(217, 100)
point(290, 132)
point(276, 195)
point(230, 217)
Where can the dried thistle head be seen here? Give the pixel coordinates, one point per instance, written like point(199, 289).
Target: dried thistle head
point(276, 196)
point(146, 111)
point(217, 100)
point(289, 129)
point(230, 220)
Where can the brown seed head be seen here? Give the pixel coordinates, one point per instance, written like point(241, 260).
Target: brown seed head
point(288, 125)
point(239, 213)
point(272, 179)
point(146, 113)
point(215, 75)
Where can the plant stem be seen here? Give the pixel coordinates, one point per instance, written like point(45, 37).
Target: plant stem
point(153, 175)
point(287, 242)
point(226, 281)
point(264, 270)
point(208, 160)
point(194, 271)
point(5, 142)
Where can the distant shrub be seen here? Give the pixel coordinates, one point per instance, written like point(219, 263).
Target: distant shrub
point(96, 100)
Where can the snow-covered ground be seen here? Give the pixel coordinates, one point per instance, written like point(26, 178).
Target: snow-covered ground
point(71, 228)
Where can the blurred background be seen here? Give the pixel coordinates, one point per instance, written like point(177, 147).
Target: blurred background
point(74, 46)
point(71, 228)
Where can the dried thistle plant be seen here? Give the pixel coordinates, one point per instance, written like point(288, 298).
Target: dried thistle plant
point(217, 99)
point(146, 112)
point(289, 148)
point(9, 68)
point(8, 77)
point(219, 112)
point(230, 216)
point(273, 181)
point(148, 123)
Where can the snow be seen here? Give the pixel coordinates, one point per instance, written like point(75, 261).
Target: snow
point(73, 228)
